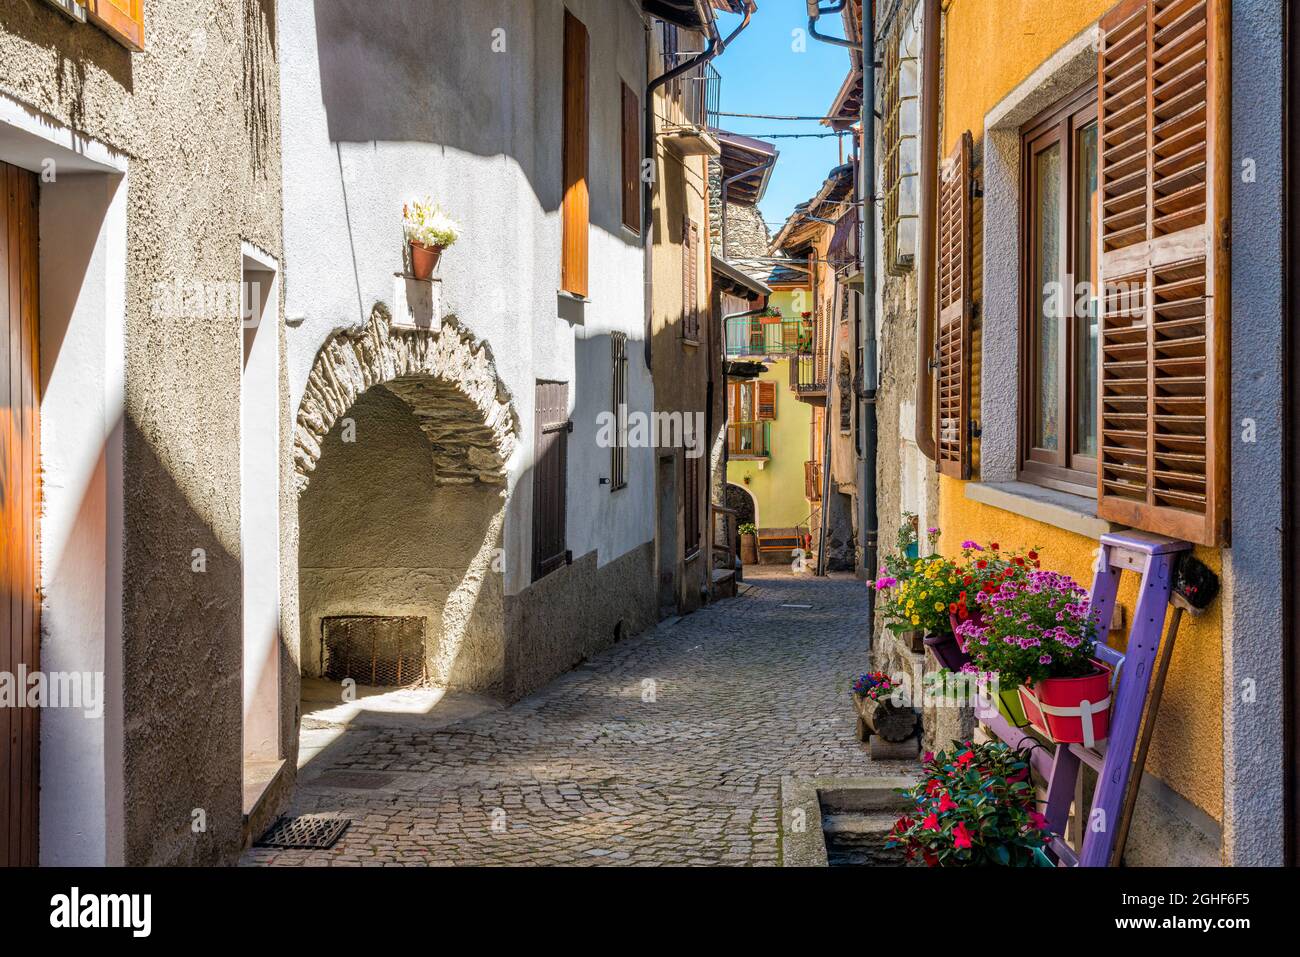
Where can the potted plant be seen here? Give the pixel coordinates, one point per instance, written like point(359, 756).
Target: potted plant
point(428, 232)
point(983, 570)
point(1039, 633)
point(916, 595)
point(770, 315)
point(876, 698)
point(974, 807)
point(748, 543)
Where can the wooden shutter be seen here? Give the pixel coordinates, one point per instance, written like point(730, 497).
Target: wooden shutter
point(766, 405)
point(952, 409)
point(20, 610)
point(690, 279)
point(576, 213)
point(691, 518)
point(123, 20)
point(618, 350)
point(550, 475)
point(631, 160)
point(1164, 183)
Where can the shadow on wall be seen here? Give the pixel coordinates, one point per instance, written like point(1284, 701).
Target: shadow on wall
point(482, 78)
point(380, 536)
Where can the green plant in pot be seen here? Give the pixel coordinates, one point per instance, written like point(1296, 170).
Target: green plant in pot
point(974, 807)
point(428, 232)
point(748, 543)
point(915, 595)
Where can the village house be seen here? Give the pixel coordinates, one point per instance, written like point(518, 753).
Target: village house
point(1059, 185)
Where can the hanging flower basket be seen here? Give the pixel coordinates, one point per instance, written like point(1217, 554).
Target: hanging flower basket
point(1070, 710)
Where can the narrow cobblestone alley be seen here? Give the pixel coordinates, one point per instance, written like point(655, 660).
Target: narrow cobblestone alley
point(585, 771)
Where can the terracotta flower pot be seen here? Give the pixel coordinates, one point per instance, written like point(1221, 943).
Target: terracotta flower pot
point(424, 260)
point(1070, 710)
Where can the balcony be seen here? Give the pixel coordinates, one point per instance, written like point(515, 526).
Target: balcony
point(812, 481)
point(808, 376)
point(749, 440)
point(754, 337)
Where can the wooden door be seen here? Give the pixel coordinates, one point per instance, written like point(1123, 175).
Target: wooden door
point(19, 496)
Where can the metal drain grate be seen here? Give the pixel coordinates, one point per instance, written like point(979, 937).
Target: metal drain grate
point(306, 832)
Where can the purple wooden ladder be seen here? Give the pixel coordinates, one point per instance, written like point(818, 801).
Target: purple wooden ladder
point(1153, 557)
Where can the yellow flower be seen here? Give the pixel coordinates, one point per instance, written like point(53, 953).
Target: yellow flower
point(915, 620)
point(938, 606)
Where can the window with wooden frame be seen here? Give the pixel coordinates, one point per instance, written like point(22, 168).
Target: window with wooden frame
point(900, 135)
point(631, 159)
point(1165, 90)
point(690, 280)
point(691, 520)
point(576, 204)
point(550, 477)
point(1058, 361)
point(123, 20)
point(618, 466)
point(751, 407)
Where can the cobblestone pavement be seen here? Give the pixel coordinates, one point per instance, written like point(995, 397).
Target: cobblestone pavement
point(668, 748)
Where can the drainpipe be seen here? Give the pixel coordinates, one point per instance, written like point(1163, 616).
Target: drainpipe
point(715, 48)
point(726, 185)
point(815, 10)
point(924, 423)
point(868, 520)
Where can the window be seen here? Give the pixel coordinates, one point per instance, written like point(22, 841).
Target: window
point(751, 409)
point(900, 136)
point(550, 474)
point(690, 280)
point(618, 469)
point(1059, 320)
point(691, 485)
point(576, 210)
point(631, 160)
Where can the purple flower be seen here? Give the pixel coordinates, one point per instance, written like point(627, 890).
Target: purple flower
point(1045, 660)
point(882, 583)
point(973, 546)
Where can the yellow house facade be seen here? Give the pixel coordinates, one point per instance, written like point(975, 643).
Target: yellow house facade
point(1057, 426)
point(766, 458)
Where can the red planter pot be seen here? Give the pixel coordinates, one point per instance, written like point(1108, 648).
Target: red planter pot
point(973, 617)
point(1070, 710)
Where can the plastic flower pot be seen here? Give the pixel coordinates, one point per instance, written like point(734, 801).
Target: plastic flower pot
point(424, 260)
point(1010, 707)
point(974, 618)
point(1070, 710)
point(947, 651)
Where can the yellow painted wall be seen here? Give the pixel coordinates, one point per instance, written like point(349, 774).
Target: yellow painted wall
point(777, 487)
point(989, 49)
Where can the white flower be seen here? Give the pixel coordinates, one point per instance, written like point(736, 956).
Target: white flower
point(425, 224)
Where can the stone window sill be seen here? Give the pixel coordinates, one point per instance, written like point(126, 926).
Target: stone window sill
point(1073, 513)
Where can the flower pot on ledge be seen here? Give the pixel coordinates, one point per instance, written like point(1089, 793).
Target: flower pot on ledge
point(424, 260)
point(947, 651)
point(914, 640)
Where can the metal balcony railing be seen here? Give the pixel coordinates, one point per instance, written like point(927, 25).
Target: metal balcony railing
point(749, 439)
point(753, 336)
point(808, 374)
point(699, 89)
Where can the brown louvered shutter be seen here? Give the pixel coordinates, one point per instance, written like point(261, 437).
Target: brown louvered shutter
point(690, 279)
point(766, 401)
point(550, 477)
point(1164, 168)
point(631, 160)
point(954, 250)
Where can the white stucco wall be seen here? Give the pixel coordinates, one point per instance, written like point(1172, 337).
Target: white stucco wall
point(463, 104)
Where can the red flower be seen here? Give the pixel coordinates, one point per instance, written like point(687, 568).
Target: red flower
point(960, 836)
point(1008, 573)
point(946, 803)
point(930, 858)
point(927, 757)
point(1019, 561)
point(993, 545)
point(931, 823)
point(1033, 556)
point(952, 608)
point(932, 786)
point(965, 759)
point(966, 580)
point(961, 614)
point(981, 564)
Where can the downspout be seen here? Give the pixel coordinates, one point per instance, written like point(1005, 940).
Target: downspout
point(815, 10)
point(926, 265)
point(715, 48)
point(726, 185)
point(869, 519)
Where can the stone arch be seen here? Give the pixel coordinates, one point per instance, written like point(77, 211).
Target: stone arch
point(447, 378)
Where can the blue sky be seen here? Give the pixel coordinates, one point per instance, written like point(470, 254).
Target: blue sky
point(761, 73)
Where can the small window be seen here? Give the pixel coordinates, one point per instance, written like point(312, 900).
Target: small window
point(900, 136)
point(618, 469)
point(1059, 322)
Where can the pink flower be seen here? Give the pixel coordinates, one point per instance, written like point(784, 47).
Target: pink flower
point(972, 545)
point(1038, 821)
point(931, 823)
point(960, 836)
point(965, 759)
point(946, 803)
